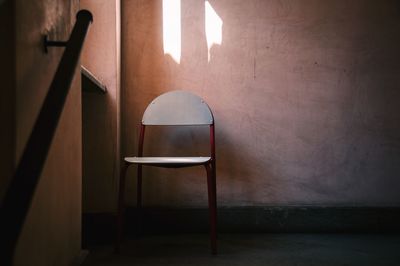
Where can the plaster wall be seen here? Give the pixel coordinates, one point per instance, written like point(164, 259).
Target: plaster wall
point(51, 234)
point(101, 111)
point(305, 96)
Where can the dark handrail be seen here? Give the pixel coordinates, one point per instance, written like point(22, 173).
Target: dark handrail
point(18, 197)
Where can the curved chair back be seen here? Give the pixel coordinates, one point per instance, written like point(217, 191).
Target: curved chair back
point(178, 108)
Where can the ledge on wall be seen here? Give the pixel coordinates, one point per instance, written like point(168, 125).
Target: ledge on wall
point(90, 83)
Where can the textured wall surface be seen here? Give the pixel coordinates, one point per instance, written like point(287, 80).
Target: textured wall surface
point(101, 111)
point(305, 96)
point(51, 234)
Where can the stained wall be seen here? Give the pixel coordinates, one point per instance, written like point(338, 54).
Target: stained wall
point(305, 96)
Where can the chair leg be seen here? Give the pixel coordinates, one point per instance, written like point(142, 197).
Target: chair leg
point(121, 207)
point(139, 201)
point(212, 206)
point(139, 186)
point(214, 173)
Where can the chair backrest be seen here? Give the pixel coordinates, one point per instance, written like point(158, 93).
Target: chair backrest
point(178, 108)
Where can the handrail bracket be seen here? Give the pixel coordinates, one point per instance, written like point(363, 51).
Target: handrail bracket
point(47, 43)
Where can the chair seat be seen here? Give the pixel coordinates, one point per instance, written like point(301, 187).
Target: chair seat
point(168, 161)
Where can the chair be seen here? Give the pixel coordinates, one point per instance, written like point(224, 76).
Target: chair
point(175, 108)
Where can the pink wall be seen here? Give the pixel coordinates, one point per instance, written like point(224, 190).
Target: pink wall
point(101, 111)
point(305, 97)
point(51, 234)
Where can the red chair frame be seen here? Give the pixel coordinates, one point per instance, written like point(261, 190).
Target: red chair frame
point(210, 167)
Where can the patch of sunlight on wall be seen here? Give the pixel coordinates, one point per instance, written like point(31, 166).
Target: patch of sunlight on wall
point(213, 27)
point(172, 28)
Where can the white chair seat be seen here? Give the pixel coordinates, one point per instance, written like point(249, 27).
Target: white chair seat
point(168, 160)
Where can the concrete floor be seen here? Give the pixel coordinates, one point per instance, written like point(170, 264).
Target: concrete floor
point(254, 249)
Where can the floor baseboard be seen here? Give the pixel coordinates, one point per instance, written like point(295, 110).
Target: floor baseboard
point(100, 227)
point(80, 258)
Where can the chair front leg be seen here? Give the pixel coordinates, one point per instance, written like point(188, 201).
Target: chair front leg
point(214, 173)
point(212, 206)
point(121, 207)
point(139, 219)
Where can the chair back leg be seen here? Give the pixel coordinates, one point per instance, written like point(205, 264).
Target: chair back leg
point(139, 218)
point(139, 187)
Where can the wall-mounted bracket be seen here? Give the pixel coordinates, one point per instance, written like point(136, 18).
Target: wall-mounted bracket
point(47, 43)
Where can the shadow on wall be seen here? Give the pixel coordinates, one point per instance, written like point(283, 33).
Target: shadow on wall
point(99, 149)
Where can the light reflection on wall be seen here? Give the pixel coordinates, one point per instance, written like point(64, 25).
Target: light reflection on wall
point(213, 27)
point(172, 28)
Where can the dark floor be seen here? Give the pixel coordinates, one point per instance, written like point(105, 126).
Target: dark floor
point(254, 249)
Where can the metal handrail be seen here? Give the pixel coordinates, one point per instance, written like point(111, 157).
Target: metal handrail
point(18, 197)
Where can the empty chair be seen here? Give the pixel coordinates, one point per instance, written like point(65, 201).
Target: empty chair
point(175, 108)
